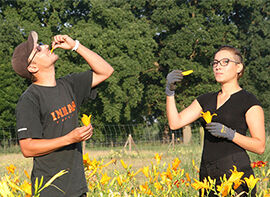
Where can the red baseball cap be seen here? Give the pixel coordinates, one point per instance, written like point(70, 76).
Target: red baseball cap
point(21, 55)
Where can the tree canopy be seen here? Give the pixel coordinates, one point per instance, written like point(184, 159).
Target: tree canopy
point(143, 40)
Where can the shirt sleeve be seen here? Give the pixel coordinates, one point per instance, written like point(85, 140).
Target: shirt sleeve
point(81, 84)
point(207, 101)
point(28, 123)
point(250, 100)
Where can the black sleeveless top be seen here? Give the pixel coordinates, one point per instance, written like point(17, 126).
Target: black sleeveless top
point(231, 114)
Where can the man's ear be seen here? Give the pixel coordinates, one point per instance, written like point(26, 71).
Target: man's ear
point(32, 68)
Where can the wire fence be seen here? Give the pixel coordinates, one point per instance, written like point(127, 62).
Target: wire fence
point(140, 136)
point(124, 135)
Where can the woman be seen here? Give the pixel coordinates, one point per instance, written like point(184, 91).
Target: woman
point(225, 140)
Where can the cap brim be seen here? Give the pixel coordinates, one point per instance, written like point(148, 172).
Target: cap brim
point(22, 53)
point(32, 41)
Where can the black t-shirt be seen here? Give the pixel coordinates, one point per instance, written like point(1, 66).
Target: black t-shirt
point(231, 114)
point(50, 112)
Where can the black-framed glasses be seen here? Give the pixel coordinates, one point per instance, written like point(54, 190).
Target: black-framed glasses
point(223, 62)
point(38, 49)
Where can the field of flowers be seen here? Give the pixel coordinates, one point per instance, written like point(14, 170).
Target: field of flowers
point(120, 175)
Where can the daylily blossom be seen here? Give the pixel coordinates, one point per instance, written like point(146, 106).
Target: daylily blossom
point(145, 171)
point(145, 189)
point(86, 160)
point(236, 178)
point(11, 168)
point(4, 189)
point(167, 179)
point(105, 179)
point(110, 162)
point(258, 164)
point(224, 188)
point(188, 177)
point(158, 158)
point(26, 173)
point(26, 187)
point(175, 164)
point(251, 182)
point(123, 164)
point(134, 174)
point(120, 180)
point(200, 185)
point(235, 175)
point(86, 120)
point(194, 165)
point(158, 186)
point(207, 116)
point(187, 72)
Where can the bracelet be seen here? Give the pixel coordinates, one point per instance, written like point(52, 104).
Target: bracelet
point(76, 45)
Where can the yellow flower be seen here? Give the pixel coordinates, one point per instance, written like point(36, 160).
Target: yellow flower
point(26, 173)
point(12, 184)
point(158, 158)
point(119, 180)
point(169, 173)
point(194, 165)
point(188, 72)
point(158, 186)
point(145, 189)
point(93, 172)
point(110, 162)
point(26, 187)
point(134, 174)
point(200, 185)
point(207, 116)
point(235, 177)
point(123, 164)
point(175, 164)
point(4, 189)
point(86, 120)
point(251, 182)
point(145, 171)
point(224, 188)
point(105, 179)
point(11, 168)
point(86, 160)
point(188, 177)
point(237, 184)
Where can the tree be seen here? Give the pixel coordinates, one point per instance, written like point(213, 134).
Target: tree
point(143, 40)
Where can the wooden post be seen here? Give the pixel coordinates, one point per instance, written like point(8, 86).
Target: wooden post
point(173, 140)
point(201, 136)
point(187, 134)
point(129, 142)
point(171, 143)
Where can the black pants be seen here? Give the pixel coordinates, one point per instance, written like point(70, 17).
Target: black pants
point(83, 195)
point(217, 169)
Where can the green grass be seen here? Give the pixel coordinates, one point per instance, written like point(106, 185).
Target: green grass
point(144, 156)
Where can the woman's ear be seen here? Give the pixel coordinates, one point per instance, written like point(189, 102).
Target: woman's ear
point(240, 67)
point(32, 68)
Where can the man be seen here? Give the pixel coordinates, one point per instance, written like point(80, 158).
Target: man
point(46, 113)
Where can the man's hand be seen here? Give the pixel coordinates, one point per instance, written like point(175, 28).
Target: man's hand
point(37, 147)
point(81, 134)
point(172, 78)
point(63, 42)
point(220, 130)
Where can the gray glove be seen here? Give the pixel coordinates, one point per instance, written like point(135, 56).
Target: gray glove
point(220, 130)
point(172, 78)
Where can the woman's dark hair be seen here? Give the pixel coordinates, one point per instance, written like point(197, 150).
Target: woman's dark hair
point(237, 55)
